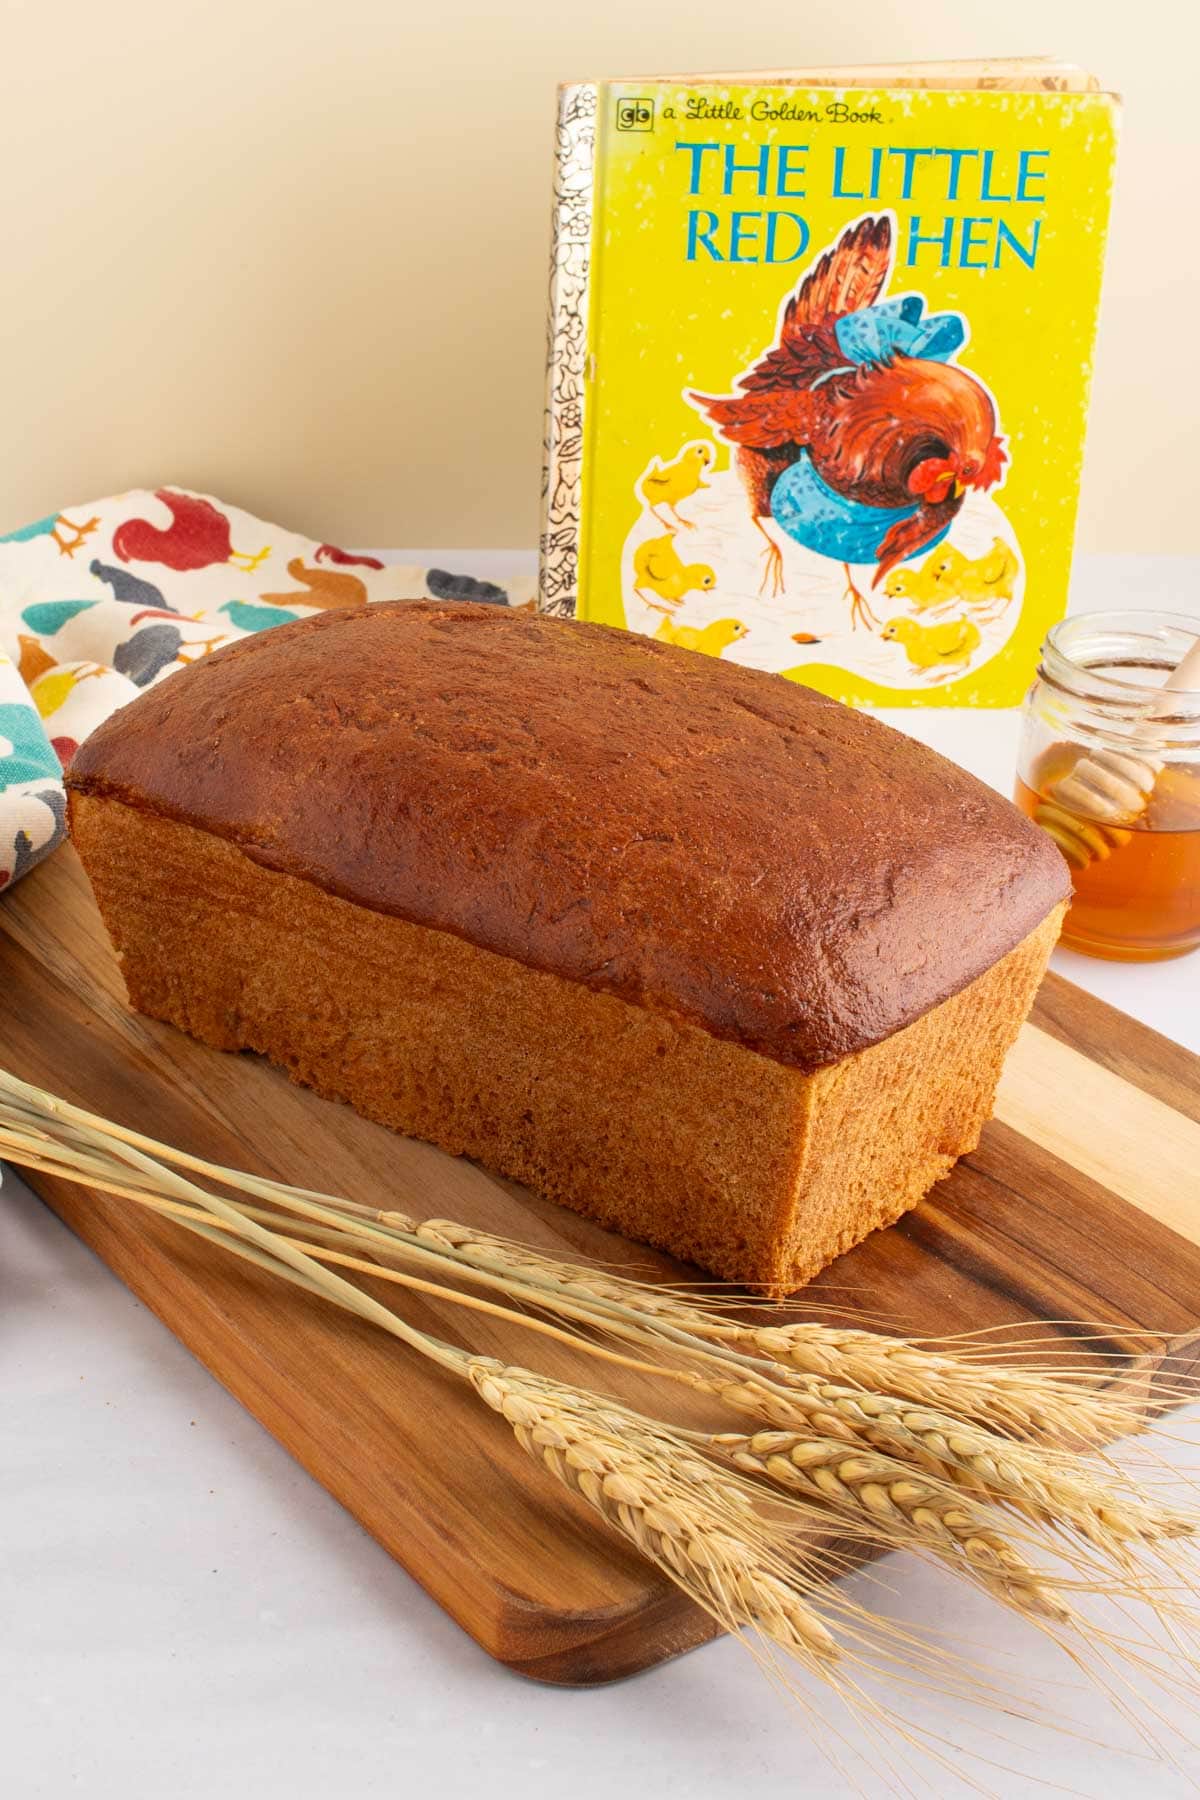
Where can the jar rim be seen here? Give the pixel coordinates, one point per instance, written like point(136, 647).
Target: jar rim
point(1172, 633)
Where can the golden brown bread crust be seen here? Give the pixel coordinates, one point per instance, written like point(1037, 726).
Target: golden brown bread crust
point(717, 845)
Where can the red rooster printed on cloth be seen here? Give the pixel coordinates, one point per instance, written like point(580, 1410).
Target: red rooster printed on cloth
point(854, 432)
point(346, 558)
point(197, 537)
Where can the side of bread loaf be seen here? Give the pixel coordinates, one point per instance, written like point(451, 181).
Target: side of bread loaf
point(653, 1126)
point(696, 951)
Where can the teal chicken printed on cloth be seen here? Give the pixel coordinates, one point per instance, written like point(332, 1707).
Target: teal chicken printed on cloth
point(103, 600)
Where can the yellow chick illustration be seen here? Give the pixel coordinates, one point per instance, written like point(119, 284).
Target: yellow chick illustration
point(984, 583)
point(935, 583)
point(909, 585)
point(668, 483)
point(656, 565)
point(989, 579)
point(709, 640)
point(937, 649)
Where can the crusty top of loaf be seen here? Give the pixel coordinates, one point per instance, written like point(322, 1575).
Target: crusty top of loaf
point(701, 839)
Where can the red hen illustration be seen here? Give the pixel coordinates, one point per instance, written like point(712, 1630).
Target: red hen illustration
point(855, 433)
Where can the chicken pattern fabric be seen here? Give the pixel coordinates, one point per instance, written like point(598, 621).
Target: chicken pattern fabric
point(101, 601)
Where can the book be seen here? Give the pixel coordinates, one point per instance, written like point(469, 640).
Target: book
point(820, 351)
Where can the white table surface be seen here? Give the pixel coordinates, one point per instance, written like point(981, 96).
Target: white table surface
point(185, 1613)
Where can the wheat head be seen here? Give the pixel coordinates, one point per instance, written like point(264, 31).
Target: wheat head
point(887, 1497)
point(1023, 1402)
point(1046, 1486)
point(678, 1511)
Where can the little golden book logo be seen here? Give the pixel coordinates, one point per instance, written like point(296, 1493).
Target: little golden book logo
point(819, 370)
point(635, 115)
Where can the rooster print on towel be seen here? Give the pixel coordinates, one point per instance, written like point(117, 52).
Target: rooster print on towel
point(849, 487)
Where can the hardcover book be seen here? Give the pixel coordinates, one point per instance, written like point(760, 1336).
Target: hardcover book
point(820, 351)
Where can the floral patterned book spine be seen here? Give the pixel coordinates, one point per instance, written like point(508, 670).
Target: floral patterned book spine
point(566, 363)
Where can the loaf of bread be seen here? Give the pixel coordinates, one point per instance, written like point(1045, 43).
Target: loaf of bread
point(691, 949)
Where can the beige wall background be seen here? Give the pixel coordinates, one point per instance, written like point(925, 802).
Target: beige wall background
point(295, 254)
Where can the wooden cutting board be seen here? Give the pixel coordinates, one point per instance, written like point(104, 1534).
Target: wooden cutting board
point(1082, 1204)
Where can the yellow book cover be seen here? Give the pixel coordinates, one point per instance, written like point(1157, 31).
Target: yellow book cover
point(819, 364)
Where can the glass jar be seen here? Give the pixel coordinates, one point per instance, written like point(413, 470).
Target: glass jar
point(1109, 764)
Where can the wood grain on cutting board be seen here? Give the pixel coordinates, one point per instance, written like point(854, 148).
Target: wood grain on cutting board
point(1082, 1204)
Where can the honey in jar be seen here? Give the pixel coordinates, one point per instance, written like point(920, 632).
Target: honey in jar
point(1100, 705)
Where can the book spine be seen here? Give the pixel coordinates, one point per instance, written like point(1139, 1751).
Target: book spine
point(567, 352)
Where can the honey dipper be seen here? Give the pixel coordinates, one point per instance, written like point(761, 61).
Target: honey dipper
point(1090, 811)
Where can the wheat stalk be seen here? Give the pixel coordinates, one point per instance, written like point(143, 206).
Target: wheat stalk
point(935, 1440)
point(1062, 1407)
point(698, 1527)
point(903, 1474)
point(971, 1456)
point(1058, 1408)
